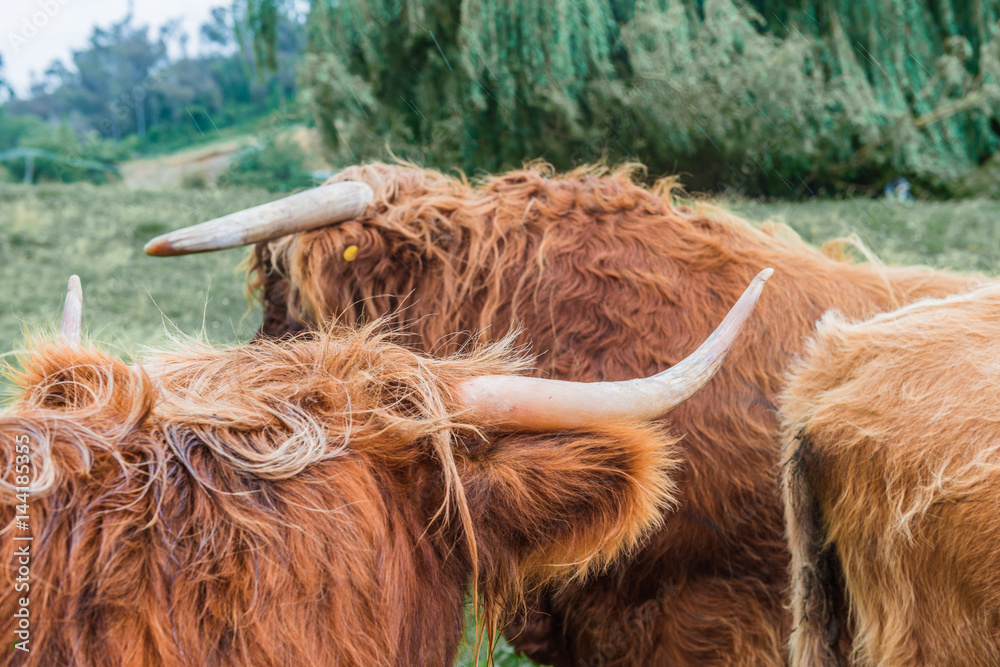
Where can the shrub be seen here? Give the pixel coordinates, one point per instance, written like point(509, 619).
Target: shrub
point(278, 166)
point(194, 180)
point(62, 157)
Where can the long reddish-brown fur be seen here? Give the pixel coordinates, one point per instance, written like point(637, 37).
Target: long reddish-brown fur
point(308, 502)
point(608, 280)
point(892, 485)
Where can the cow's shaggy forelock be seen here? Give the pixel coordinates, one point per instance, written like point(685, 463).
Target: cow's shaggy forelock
point(316, 501)
point(608, 280)
point(267, 410)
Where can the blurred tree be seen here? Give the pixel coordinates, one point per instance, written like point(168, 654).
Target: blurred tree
point(760, 96)
point(108, 87)
point(124, 83)
point(5, 90)
point(237, 73)
point(218, 30)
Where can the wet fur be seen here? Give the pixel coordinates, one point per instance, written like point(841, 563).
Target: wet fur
point(608, 280)
point(317, 501)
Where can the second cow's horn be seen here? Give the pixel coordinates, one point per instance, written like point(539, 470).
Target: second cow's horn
point(72, 320)
point(536, 404)
point(318, 207)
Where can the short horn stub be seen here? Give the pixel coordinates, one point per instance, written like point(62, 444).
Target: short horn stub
point(70, 331)
point(536, 404)
point(311, 209)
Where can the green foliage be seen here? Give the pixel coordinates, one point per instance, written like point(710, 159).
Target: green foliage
point(14, 128)
point(262, 20)
point(277, 166)
point(123, 84)
point(757, 97)
point(201, 97)
point(64, 157)
point(108, 86)
point(503, 654)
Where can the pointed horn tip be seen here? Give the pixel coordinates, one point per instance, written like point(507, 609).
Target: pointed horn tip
point(161, 246)
point(74, 286)
point(764, 275)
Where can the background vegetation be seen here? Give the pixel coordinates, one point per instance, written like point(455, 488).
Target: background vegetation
point(122, 95)
point(761, 96)
point(756, 98)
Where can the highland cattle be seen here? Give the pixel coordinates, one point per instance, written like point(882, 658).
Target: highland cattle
point(325, 500)
point(584, 265)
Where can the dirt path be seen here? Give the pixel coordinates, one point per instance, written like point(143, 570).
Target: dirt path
point(168, 170)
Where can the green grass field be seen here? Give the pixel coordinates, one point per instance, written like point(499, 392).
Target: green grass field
point(958, 235)
point(49, 232)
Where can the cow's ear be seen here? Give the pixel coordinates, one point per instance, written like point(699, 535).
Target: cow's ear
point(560, 505)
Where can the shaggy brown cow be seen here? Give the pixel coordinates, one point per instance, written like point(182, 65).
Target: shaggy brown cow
point(586, 263)
point(892, 486)
point(320, 501)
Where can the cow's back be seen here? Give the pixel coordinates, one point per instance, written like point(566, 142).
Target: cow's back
point(892, 444)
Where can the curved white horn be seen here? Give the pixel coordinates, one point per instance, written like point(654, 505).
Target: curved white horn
point(318, 207)
point(536, 404)
point(71, 328)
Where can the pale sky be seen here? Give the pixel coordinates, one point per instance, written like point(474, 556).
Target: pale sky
point(33, 33)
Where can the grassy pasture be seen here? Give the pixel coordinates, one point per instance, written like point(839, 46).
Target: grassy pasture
point(131, 300)
point(48, 233)
point(959, 235)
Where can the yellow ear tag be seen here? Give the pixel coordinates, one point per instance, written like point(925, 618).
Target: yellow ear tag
point(350, 252)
